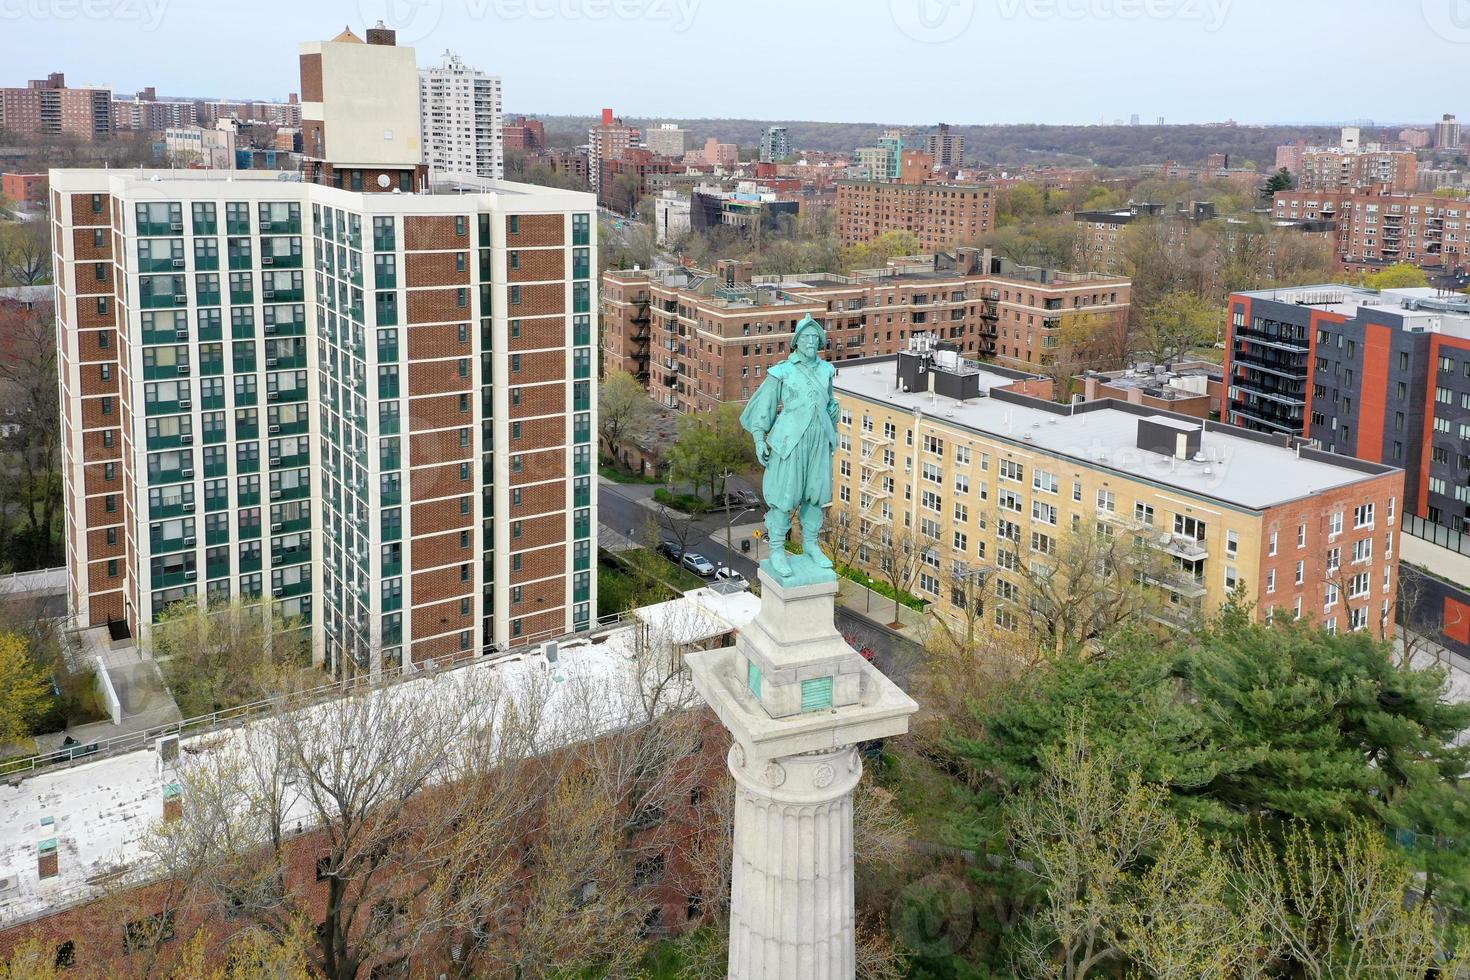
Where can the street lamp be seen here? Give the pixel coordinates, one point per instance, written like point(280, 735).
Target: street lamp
point(871, 582)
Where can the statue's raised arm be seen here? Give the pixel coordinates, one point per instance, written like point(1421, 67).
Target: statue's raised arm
point(793, 419)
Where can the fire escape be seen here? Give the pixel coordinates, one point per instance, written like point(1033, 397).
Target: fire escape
point(640, 340)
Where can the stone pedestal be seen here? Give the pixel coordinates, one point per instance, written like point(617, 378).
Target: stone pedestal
point(797, 700)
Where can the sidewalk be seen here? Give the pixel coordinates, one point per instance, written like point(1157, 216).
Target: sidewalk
point(878, 607)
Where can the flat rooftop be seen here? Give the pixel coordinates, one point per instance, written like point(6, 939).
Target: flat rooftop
point(99, 811)
point(1420, 308)
point(1240, 468)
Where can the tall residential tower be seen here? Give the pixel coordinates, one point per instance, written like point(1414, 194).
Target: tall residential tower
point(365, 396)
point(461, 121)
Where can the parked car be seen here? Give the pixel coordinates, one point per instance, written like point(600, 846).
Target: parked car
point(698, 564)
point(671, 550)
point(736, 499)
point(727, 574)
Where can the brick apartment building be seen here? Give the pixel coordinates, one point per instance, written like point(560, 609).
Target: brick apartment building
point(607, 139)
point(940, 216)
point(1374, 227)
point(524, 133)
point(24, 188)
point(988, 479)
point(1336, 170)
point(698, 339)
point(1383, 377)
point(47, 108)
point(374, 407)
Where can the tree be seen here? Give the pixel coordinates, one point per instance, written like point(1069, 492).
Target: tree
point(1176, 324)
point(627, 189)
point(1119, 877)
point(624, 411)
point(899, 554)
point(710, 446)
point(217, 657)
point(1281, 180)
point(31, 488)
point(24, 692)
point(1401, 275)
point(25, 253)
point(1336, 905)
point(487, 823)
point(1052, 242)
point(1089, 586)
point(875, 254)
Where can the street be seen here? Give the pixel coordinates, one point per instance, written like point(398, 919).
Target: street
point(619, 508)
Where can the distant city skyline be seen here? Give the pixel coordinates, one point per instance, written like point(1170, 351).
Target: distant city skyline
point(1036, 61)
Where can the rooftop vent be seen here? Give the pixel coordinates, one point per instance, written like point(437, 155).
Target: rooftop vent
point(1169, 437)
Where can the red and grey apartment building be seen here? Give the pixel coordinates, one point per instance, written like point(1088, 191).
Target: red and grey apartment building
point(697, 339)
point(1381, 376)
point(365, 397)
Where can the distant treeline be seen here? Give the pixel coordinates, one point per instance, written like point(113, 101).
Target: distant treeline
point(1107, 146)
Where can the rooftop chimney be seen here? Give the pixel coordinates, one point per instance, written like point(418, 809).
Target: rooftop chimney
point(381, 33)
point(48, 858)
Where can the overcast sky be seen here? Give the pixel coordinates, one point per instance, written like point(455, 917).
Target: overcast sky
point(902, 61)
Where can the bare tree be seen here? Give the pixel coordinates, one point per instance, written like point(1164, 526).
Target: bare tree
point(25, 253)
point(31, 403)
point(844, 535)
point(498, 821)
point(899, 554)
point(625, 411)
point(1078, 586)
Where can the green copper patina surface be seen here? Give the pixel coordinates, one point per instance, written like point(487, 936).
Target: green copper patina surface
point(793, 419)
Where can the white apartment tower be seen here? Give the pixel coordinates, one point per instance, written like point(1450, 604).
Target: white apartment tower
point(460, 113)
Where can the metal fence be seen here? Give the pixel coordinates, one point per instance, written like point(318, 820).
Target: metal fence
point(1437, 534)
point(14, 770)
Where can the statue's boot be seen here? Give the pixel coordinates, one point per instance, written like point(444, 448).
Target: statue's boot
point(776, 530)
point(811, 536)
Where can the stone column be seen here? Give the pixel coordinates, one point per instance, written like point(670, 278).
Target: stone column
point(791, 908)
point(798, 701)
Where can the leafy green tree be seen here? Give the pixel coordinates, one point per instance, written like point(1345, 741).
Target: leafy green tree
point(1400, 275)
point(709, 446)
point(24, 692)
point(1281, 180)
point(217, 657)
point(624, 409)
point(1244, 721)
point(1175, 325)
point(874, 254)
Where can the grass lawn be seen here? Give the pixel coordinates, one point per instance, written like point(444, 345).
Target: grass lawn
point(629, 579)
point(617, 475)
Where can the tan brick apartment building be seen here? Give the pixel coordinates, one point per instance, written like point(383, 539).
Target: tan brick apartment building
point(698, 339)
point(940, 216)
point(993, 481)
point(375, 408)
point(1375, 228)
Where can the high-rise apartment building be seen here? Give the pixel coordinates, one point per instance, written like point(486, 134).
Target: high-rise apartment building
point(941, 216)
point(604, 141)
point(47, 108)
point(1447, 133)
point(698, 339)
point(946, 147)
point(1383, 377)
point(370, 402)
point(987, 481)
point(461, 121)
point(775, 144)
point(667, 140)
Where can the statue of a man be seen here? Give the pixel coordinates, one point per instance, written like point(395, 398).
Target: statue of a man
point(793, 418)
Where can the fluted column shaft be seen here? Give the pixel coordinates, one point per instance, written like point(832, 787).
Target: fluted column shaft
point(791, 898)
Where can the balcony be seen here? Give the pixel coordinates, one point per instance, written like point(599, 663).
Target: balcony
point(1182, 546)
